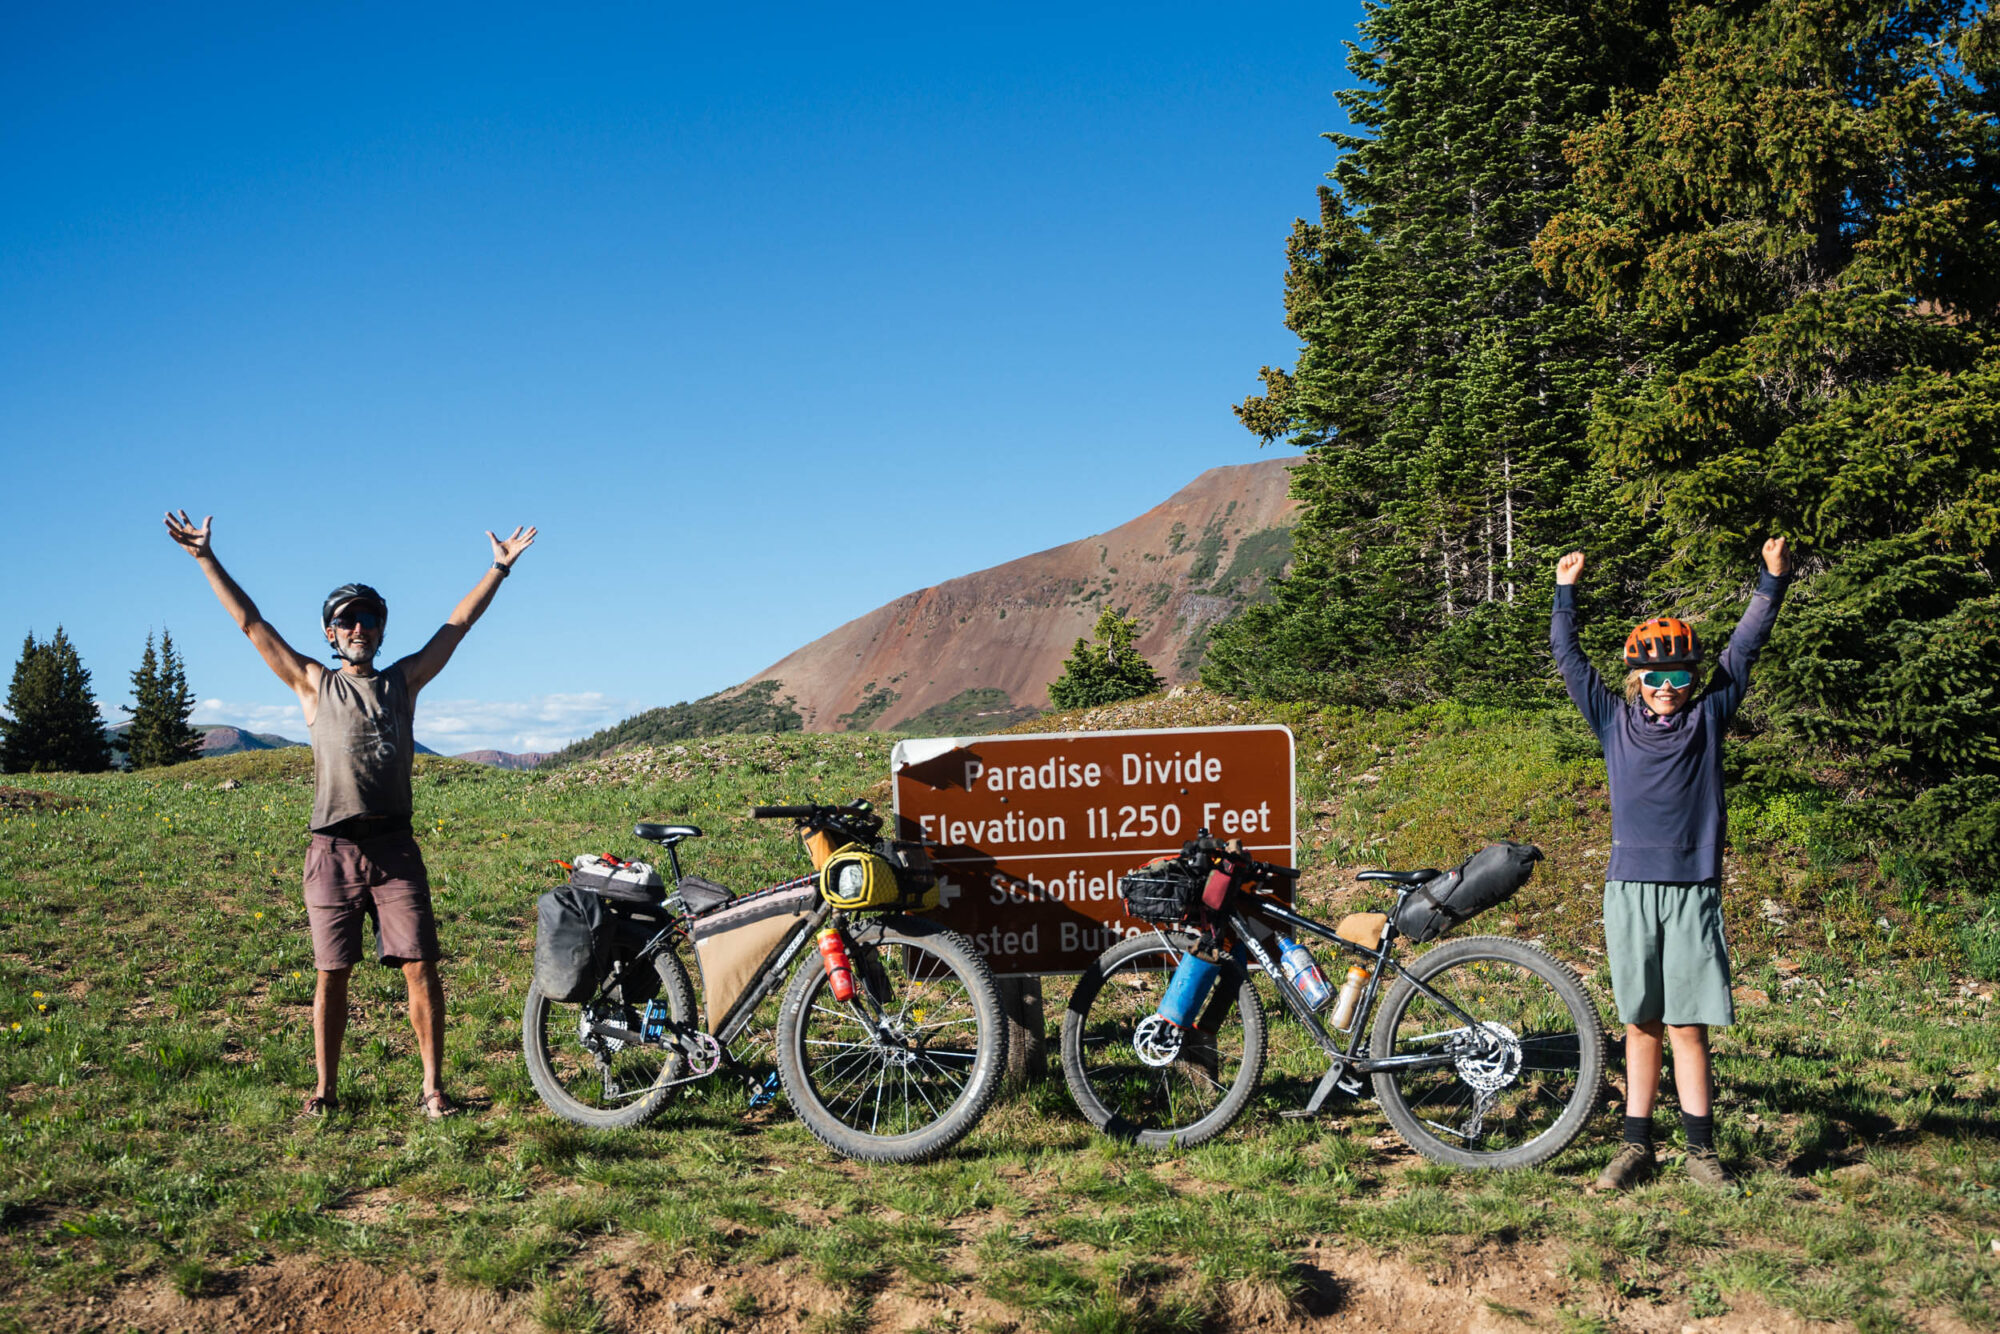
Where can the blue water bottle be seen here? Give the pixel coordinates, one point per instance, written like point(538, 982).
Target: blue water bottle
point(1302, 972)
point(1190, 986)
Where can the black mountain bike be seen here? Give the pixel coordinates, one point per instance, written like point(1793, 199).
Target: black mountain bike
point(898, 1071)
point(1485, 1052)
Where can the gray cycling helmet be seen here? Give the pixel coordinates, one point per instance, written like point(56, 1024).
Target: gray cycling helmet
point(347, 593)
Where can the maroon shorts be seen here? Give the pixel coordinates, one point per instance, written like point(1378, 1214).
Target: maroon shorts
point(382, 878)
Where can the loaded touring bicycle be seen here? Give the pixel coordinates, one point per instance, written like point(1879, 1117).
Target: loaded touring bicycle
point(890, 1036)
point(1484, 1052)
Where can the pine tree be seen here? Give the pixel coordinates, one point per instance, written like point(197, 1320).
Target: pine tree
point(1442, 386)
point(53, 724)
point(161, 702)
point(1106, 670)
point(1797, 235)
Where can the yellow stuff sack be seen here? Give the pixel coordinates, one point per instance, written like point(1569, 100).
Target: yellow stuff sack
point(859, 879)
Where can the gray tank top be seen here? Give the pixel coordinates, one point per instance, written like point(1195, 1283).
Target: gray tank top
point(362, 745)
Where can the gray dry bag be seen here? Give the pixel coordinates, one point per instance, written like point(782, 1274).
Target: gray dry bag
point(1487, 879)
point(572, 943)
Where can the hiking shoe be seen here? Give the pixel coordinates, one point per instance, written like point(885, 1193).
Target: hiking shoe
point(1633, 1164)
point(1704, 1167)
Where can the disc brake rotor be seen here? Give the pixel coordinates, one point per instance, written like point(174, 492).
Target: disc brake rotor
point(1156, 1040)
point(1495, 1064)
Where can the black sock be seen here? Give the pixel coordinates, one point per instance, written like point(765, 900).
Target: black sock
point(1700, 1130)
point(1639, 1130)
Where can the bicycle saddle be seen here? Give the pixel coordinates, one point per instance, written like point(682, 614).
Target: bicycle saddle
point(1401, 877)
point(665, 834)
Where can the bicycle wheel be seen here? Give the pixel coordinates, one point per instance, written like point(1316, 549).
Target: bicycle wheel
point(910, 1080)
point(1512, 1088)
point(1137, 1078)
point(598, 1081)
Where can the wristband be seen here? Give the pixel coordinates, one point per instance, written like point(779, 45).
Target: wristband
point(505, 570)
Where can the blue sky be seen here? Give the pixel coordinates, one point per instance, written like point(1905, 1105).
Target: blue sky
point(764, 316)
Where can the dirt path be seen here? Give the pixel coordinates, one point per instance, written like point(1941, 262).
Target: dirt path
point(1493, 1290)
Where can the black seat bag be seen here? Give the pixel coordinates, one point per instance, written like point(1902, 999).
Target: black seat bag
point(1487, 879)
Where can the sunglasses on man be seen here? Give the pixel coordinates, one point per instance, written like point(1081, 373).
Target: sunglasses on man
point(358, 620)
point(1668, 680)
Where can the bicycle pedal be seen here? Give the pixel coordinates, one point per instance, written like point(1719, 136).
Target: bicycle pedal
point(766, 1095)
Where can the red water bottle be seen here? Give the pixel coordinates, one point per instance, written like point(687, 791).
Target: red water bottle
point(839, 972)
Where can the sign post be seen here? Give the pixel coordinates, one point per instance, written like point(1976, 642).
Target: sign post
point(1036, 831)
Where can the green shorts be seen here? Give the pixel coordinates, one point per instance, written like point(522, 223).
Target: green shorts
point(1669, 957)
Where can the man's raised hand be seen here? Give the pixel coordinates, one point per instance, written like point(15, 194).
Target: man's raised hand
point(1569, 567)
point(192, 540)
point(508, 550)
point(1777, 558)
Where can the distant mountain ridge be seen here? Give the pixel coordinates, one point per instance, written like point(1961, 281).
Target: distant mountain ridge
point(977, 653)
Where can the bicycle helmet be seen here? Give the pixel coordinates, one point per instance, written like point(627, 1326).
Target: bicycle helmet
point(346, 593)
point(1664, 641)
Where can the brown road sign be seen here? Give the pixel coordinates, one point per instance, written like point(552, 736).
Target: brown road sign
point(1037, 830)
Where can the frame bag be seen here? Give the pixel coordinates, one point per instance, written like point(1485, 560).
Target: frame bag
point(1487, 879)
point(733, 942)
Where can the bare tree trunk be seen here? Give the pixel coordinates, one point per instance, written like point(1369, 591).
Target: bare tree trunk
point(1507, 482)
point(1489, 548)
point(1444, 560)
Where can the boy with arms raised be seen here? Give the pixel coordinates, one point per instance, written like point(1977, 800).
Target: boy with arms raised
point(1662, 893)
point(363, 860)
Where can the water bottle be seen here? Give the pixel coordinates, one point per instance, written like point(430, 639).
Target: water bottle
point(839, 972)
point(1302, 972)
point(1350, 995)
point(1192, 981)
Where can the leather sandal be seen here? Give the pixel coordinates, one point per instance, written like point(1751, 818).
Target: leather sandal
point(319, 1106)
point(437, 1106)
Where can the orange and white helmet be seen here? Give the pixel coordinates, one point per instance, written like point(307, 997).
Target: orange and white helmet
point(1664, 641)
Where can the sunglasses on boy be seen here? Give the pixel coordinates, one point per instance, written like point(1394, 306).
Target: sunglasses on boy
point(1669, 680)
point(367, 620)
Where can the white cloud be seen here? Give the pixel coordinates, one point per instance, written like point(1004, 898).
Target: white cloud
point(539, 722)
point(454, 726)
point(287, 720)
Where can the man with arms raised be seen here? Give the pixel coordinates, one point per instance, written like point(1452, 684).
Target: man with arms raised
point(363, 860)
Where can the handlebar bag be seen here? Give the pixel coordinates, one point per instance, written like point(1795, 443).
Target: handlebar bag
point(572, 943)
point(1163, 890)
point(1488, 878)
point(734, 942)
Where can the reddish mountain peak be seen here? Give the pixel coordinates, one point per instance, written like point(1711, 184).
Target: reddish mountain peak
point(982, 648)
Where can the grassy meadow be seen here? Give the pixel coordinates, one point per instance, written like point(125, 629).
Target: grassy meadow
point(155, 1045)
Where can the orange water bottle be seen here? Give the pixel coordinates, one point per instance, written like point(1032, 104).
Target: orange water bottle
point(1350, 994)
point(839, 972)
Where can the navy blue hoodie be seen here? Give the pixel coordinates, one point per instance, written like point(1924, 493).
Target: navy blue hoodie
point(1667, 819)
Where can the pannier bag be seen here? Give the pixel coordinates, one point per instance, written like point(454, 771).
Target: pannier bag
point(890, 877)
point(1488, 878)
point(572, 943)
point(636, 882)
point(733, 942)
point(1164, 890)
point(630, 926)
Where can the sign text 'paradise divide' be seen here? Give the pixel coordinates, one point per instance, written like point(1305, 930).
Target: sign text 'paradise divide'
point(1036, 831)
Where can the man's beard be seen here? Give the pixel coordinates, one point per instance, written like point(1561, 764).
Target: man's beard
point(361, 655)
